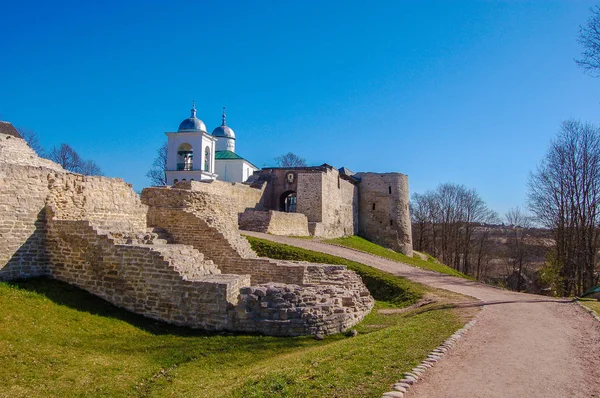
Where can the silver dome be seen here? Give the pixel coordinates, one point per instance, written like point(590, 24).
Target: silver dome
point(192, 123)
point(223, 131)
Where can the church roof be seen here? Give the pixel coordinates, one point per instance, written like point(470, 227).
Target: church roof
point(192, 124)
point(223, 130)
point(9, 129)
point(228, 155)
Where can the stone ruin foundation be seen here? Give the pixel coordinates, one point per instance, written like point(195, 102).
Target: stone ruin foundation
point(173, 254)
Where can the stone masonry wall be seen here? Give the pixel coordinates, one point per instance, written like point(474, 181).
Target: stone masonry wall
point(160, 282)
point(384, 215)
point(108, 203)
point(15, 150)
point(291, 298)
point(340, 206)
point(243, 196)
point(274, 222)
point(207, 223)
point(93, 232)
point(23, 191)
point(329, 202)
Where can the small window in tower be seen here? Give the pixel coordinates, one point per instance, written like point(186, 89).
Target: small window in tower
point(207, 159)
point(373, 206)
point(390, 189)
point(391, 223)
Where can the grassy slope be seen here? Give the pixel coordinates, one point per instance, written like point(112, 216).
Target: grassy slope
point(57, 340)
point(358, 243)
point(591, 304)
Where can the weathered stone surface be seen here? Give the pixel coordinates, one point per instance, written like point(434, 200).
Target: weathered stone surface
point(274, 222)
point(384, 214)
point(177, 257)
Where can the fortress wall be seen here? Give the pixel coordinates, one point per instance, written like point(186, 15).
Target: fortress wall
point(23, 191)
point(208, 223)
point(384, 215)
point(340, 210)
point(15, 150)
point(309, 195)
point(108, 203)
point(274, 222)
point(243, 196)
point(149, 280)
point(217, 213)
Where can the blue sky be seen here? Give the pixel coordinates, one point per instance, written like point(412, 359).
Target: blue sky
point(448, 91)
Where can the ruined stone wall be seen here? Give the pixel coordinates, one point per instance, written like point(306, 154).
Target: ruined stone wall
point(242, 196)
point(208, 223)
point(384, 215)
point(23, 192)
point(108, 203)
point(161, 282)
point(92, 232)
point(274, 222)
point(15, 150)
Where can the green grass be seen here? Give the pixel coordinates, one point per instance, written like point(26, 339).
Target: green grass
point(592, 304)
point(57, 340)
point(358, 243)
point(382, 285)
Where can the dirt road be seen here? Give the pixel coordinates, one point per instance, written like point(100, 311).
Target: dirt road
point(521, 346)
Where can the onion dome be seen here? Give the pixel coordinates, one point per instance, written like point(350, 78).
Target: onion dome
point(192, 123)
point(223, 130)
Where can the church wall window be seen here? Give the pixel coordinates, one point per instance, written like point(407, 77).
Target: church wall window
point(373, 206)
point(390, 189)
point(207, 159)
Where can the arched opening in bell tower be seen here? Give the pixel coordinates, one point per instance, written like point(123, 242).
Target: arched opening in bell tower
point(185, 157)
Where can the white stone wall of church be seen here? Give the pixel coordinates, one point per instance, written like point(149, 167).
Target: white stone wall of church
point(230, 170)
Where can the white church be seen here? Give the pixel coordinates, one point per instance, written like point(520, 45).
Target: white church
point(194, 154)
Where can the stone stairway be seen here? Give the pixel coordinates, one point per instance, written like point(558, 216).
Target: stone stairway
point(184, 259)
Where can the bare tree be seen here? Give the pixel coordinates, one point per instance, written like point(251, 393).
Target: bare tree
point(445, 221)
point(90, 168)
point(70, 160)
point(589, 38)
point(156, 174)
point(290, 160)
point(66, 156)
point(518, 251)
point(564, 195)
point(32, 140)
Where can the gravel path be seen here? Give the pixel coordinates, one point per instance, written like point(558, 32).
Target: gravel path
point(521, 346)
